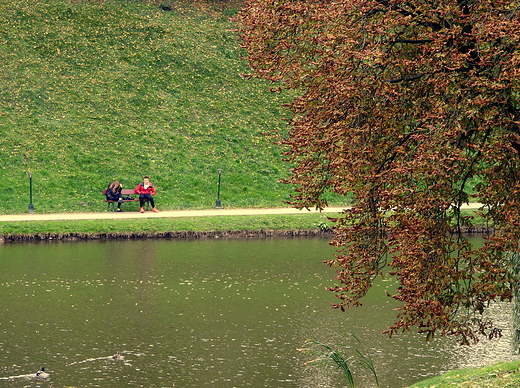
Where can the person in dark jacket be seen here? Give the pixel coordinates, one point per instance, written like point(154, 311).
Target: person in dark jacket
point(115, 193)
point(146, 190)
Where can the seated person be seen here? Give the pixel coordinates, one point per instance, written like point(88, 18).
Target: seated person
point(115, 193)
point(146, 190)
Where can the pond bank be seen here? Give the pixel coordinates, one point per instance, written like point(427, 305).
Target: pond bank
point(173, 234)
point(181, 224)
point(222, 226)
point(185, 234)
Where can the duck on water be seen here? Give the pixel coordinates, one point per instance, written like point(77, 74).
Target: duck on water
point(41, 374)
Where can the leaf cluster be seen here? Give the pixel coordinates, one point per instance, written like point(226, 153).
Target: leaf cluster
point(413, 108)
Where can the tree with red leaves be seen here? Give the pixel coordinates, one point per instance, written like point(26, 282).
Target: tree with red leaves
point(412, 107)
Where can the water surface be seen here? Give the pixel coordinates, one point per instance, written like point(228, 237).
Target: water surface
point(204, 313)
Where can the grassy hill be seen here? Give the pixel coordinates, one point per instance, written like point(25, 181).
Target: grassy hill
point(98, 91)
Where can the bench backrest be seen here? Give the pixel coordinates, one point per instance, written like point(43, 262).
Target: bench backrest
point(124, 192)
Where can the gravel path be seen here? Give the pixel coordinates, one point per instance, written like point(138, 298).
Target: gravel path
point(172, 214)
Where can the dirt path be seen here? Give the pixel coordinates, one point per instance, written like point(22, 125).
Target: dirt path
point(171, 214)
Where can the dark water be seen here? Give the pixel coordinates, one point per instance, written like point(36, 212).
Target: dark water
point(210, 313)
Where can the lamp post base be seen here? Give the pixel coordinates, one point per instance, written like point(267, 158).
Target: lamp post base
point(31, 208)
point(218, 205)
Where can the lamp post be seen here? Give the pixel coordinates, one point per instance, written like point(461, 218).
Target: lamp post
point(218, 205)
point(31, 206)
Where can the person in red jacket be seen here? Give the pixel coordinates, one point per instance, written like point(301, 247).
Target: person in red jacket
point(146, 190)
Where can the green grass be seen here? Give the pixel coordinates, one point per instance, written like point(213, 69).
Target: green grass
point(501, 375)
point(312, 221)
point(97, 91)
point(121, 227)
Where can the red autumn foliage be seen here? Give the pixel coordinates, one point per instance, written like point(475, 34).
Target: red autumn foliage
point(412, 107)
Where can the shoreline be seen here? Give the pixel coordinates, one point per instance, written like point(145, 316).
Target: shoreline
point(179, 224)
point(228, 234)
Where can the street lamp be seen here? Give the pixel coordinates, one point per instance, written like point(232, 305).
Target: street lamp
point(218, 205)
point(31, 206)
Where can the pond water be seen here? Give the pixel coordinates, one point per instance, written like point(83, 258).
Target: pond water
point(204, 313)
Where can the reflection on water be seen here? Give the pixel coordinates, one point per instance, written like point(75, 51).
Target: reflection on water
point(210, 313)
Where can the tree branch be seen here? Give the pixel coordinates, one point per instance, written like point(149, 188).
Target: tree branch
point(412, 41)
point(411, 78)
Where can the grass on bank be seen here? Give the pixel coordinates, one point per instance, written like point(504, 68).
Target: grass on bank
point(142, 226)
point(500, 375)
point(312, 221)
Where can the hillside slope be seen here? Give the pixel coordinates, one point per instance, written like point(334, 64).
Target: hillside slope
point(97, 91)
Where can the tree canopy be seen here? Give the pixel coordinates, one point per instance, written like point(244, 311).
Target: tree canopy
point(413, 108)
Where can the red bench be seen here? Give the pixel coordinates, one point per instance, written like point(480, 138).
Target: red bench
point(125, 192)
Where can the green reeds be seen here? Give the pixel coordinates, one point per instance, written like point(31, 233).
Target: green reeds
point(328, 356)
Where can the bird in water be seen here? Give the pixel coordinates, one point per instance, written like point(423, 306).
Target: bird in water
point(41, 373)
point(117, 356)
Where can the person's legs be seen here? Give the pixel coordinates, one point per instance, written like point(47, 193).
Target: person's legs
point(141, 202)
point(116, 198)
point(149, 197)
point(152, 203)
point(119, 202)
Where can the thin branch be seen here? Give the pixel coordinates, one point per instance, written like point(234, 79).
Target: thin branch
point(412, 41)
point(404, 79)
